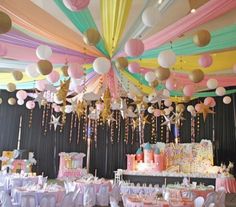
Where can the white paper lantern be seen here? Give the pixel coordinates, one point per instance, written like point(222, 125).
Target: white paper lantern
point(101, 65)
point(68, 109)
point(227, 100)
point(56, 100)
point(150, 109)
point(166, 58)
point(32, 71)
point(190, 108)
point(43, 52)
point(212, 83)
point(150, 76)
point(220, 91)
point(151, 17)
point(20, 102)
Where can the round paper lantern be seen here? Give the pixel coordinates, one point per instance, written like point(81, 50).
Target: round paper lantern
point(157, 112)
point(40, 85)
point(151, 109)
point(198, 107)
point(56, 99)
point(5, 23)
point(100, 106)
point(227, 100)
point(150, 76)
point(234, 68)
point(101, 65)
point(134, 67)
point(220, 91)
point(205, 61)
point(11, 87)
point(166, 58)
point(56, 108)
point(43, 52)
point(167, 102)
point(20, 102)
point(75, 71)
point(196, 75)
point(17, 75)
point(202, 38)
point(186, 99)
point(190, 108)
point(212, 83)
point(91, 37)
point(0, 100)
point(21, 94)
point(162, 73)
point(44, 67)
point(180, 108)
point(64, 70)
point(208, 101)
point(167, 111)
point(11, 101)
point(68, 109)
point(151, 16)
point(32, 71)
point(134, 47)
point(76, 5)
point(188, 90)
point(30, 104)
point(171, 108)
point(121, 63)
point(171, 84)
point(53, 77)
point(154, 83)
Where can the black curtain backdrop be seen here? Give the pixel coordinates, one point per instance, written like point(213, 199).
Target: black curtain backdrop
point(108, 153)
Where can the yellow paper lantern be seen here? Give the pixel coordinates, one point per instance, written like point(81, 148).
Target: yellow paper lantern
point(91, 37)
point(11, 101)
point(162, 73)
point(180, 108)
point(121, 63)
point(5, 23)
point(202, 38)
point(11, 87)
point(196, 75)
point(45, 67)
point(154, 84)
point(17, 75)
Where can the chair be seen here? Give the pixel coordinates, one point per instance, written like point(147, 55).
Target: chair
point(89, 196)
point(78, 198)
point(48, 201)
point(15, 182)
point(28, 201)
point(113, 202)
point(102, 197)
point(199, 201)
point(42, 180)
point(5, 199)
point(221, 193)
point(115, 192)
point(211, 198)
point(212, 205)
point(68, 200)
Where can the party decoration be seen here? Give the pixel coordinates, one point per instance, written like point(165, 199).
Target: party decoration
point(21, 94)
point(202, 38)
point(204, 110)
point(154, 83)
point(168, 121)
point(121, 63)
point(20, 102)
point(151, 17)
point(196, 75)
point(162, 73)
point(5, 23)
point(43, 52)
point(0, 100)
point(150, 76)
point(209, 101)
point(220, 91)
point(205, 60)
point(17, 75)
point(91, 96)
point(80, 110)
point(53, 77)
point(107, 105)
point(11, 101)
point(186, 99)
point(180, 108)
point(151, 109)
point(212, 83)
point(44, 67)
point(144, 120)
point(171, 84)
point(166, 58)
point(55, 121)
point(190, 108)
point(156, 97)
point(3, 50)
point(135, 123)
point(157, 112)
point(91, 37)
point(76, 5)
point(11, 87)
point(30, 105)
point(75, 71)
point(178, 117)
point(227, 100)
point(101, 65)
point(134, 67)
point(188, 90)
point(134, 47)
point(68, 109)
point(64, 70)
point(167, 102)
point(40, 99)
point(32, 71)
point(123, 108)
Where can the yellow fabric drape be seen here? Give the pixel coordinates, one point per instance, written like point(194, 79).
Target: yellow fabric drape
point(221, 61)
point(29, 16)
point(114, 16)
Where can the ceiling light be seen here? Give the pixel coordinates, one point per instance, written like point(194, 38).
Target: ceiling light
point(160, 1)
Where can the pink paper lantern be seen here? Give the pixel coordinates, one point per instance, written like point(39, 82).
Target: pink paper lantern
point(56, 108)
point(157, 112)
point(205, 61)
point(198, 107)
point(30, 104)
point(75, 71)
point(213, 103)
point(143, 71)
point(134, 67)
point(76, 5)
point(53, 77)
point(171, 84)
point(209, 101)
point(21, 95)
point(134, 47)
point(41, 85)
point(234, 68)
point(188, 90)
point(100, 106)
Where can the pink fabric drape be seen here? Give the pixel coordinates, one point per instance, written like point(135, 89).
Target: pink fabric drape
point(209, 11)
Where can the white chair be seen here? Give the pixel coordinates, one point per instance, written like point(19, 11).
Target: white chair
point(42, 180)
point(5, 199)
point(48, 201)
point(115, 192)
point(28, 201)
point(102, 197)
point(68, 200)
point(199, 201)
point(89, 196)
point(113, 202)
point(212, 205)
point(78, 198)
point(211, 198)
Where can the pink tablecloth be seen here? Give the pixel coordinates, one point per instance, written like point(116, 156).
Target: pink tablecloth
point(228, 183)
